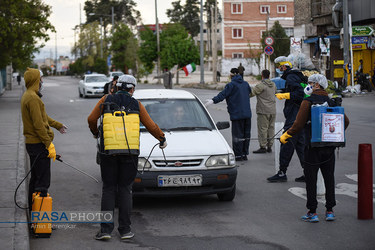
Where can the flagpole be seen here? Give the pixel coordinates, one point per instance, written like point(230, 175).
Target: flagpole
point(201, 45)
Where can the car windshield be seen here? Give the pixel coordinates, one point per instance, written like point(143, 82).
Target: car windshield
point(178, 114)
point(96, 79)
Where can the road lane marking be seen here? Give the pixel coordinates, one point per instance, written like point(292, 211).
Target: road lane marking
point(347, 189)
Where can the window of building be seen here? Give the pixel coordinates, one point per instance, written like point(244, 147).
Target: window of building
point(264, 9)
point(237, 55)
point(281, 8)
point(236, 8)
point(237, 33)
point(289, 31)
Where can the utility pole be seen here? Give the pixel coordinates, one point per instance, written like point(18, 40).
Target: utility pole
point(101, 37)
point(201, 46)
point(214, 43)
point(346, 40)
point(56, 52)
point(113, 19)
point(157, 39)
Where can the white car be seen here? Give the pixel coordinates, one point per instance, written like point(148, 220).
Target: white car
point(197, 161)
point(92, 85)
point(114, 73)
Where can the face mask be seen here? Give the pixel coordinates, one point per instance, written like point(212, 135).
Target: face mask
point(308, 90)
point(279, 71)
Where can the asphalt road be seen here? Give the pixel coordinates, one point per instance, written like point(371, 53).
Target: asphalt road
point(262, 216)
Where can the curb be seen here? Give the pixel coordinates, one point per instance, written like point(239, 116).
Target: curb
point(21, 230)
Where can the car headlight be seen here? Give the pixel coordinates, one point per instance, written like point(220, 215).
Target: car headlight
point(220, 160)
point(143, 164)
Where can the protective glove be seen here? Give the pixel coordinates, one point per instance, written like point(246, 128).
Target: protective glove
point(163, 145)
point(208, 102)
point(281, 96)
point(284, 138)
point(52, 152)
point(63, 129)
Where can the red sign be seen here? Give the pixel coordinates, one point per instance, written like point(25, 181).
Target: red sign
point(268, 50)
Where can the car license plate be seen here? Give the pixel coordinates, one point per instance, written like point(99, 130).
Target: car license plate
point(179, 180)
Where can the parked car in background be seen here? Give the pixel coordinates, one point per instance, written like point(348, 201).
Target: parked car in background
point(197, 161)
point(114, 73)
point(92, 85)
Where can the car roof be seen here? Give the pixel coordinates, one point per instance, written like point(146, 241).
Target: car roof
point(163, 94)
point(94, 75)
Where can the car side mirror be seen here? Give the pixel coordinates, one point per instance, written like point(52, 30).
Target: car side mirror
point(222, 125)
point(81, 81)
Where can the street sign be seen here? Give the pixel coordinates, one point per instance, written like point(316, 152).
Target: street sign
point(268, 50)
point(268, 40)
point(362, 31)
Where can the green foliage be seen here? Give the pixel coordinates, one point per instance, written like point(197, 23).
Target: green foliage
point(187, 15)
point(124, 11)
point(77, 67)
point(88, 45)
point(23, 25)
point(177, 47)
point(124, 48)
point(100, 66)
point(147, 51)
point(281, 43)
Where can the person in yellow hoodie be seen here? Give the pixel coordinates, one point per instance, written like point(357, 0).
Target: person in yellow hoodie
point(38, 133)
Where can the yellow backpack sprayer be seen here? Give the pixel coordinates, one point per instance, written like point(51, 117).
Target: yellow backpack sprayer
point(41, 207)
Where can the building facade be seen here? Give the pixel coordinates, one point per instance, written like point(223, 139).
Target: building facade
point(316, 17)
point(244, 22)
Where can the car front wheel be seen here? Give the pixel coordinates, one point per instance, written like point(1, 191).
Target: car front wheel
point(228, 196)
point(79, 92)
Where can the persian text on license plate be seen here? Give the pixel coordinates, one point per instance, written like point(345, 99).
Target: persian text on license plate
point(179, 180)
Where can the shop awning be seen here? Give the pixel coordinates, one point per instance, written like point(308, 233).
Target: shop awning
point(314, 39)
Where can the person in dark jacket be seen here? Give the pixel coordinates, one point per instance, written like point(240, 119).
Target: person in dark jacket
point(293, 96)
point(241, 69)
point(237, 95)
point(108, 87)
point(316, 158)
point(118, 171)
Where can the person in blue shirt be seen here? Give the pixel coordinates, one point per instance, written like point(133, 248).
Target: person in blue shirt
point(237, 95)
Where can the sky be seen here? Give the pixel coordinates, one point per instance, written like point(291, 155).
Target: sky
point(66, 15)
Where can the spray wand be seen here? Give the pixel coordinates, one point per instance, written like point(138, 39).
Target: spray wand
point(58, 157)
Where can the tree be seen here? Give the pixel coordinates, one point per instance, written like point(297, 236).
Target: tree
point(177, 47)
point(124, 48)
point(23, 25)
point(124, 11)
point(100, 66)
point(88, 47)
point(188, 15)
point(281, 43)
point(147, 51)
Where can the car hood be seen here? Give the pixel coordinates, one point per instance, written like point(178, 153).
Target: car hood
point(95, 84)
point(186, 143)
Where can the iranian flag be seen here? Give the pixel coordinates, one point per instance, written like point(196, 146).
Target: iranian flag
point(189, 68)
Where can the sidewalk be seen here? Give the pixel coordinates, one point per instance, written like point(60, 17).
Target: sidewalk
point(12, 169)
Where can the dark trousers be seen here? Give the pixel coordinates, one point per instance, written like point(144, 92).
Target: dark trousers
point(297, 143)
point(41, 169)
point(323, 159)
point(118, 173)
point(241, 136)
